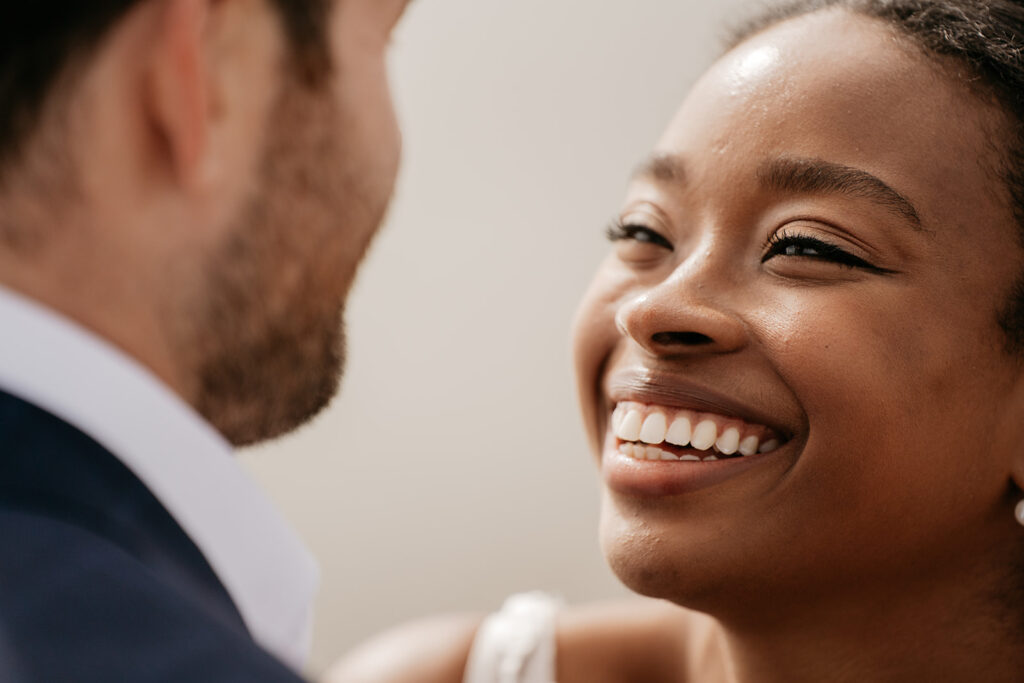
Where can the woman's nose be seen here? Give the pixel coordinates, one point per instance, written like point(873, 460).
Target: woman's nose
point(681, 316)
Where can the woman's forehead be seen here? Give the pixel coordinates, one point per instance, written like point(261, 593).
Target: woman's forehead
point(847, 90)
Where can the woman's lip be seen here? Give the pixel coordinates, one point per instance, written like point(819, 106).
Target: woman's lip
point(650, 387)
point(656, 478)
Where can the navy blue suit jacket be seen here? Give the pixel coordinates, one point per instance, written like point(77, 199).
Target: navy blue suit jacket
point(97, 581)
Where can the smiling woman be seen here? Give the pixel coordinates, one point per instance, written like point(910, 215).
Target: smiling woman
point(800, 372)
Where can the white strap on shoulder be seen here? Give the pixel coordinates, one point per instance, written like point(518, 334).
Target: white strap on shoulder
point(517, 643)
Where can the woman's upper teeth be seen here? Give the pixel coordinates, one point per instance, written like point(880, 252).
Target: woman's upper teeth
point(653, 425)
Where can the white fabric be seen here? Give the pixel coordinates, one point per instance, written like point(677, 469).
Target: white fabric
point(517, 643)
point(53, 363)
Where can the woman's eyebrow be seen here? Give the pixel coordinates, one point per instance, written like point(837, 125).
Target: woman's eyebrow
point(799, 175)
point(817, 176)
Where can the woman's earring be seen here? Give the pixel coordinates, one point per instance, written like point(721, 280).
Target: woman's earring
point(1019, 513)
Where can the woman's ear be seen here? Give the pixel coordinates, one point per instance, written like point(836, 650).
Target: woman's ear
point(1017, 482)
point(1015, 415)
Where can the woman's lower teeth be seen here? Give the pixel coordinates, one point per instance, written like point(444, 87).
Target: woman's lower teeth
point(639, 451)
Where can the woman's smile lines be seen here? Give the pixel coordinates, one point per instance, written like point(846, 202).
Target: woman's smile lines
point(650, 432)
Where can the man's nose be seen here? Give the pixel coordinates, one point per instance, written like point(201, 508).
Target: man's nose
point(685, 314)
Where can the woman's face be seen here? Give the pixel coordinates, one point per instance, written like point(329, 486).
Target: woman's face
point(811, 265)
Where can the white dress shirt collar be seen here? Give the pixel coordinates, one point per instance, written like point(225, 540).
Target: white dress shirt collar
point(53, 363)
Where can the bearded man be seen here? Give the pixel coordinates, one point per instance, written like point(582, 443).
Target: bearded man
point(186, 190)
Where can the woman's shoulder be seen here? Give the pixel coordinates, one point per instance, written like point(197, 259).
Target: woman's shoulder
point(610, 642)
point(637, 639)
point(431, 650)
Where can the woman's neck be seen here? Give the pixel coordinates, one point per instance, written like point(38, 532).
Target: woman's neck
point(950, 634)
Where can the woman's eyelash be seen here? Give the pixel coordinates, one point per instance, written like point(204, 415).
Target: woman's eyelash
point(790, 244)
point(779, 244)
point(618, 231)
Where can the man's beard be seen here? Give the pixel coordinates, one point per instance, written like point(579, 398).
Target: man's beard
point(269, 338)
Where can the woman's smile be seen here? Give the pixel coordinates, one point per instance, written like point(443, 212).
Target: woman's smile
point(666, 435)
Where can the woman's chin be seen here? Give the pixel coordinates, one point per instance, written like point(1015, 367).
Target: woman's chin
point(657, 564)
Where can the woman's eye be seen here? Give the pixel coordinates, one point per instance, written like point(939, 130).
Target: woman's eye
point(804, 246)
point(618, 232)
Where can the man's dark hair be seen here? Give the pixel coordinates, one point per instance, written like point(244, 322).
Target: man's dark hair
point(986, 39)
point(39, 43)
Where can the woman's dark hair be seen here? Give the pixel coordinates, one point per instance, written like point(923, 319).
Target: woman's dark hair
point(986, 38)
point(38, 43)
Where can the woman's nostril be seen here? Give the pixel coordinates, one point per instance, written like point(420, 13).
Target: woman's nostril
point(681, 339)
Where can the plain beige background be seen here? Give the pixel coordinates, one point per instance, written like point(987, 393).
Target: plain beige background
point(452, 469)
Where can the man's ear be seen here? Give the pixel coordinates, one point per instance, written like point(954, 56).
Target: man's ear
point(178, 87)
